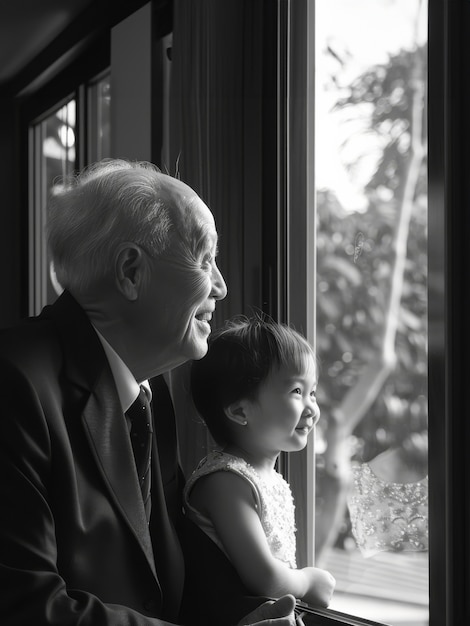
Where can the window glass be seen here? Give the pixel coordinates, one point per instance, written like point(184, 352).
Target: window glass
point(99, 118)
point(58, 143)
point(371, 526)
point(52, 157)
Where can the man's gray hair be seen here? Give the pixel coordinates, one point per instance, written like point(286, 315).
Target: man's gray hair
point(92, 213)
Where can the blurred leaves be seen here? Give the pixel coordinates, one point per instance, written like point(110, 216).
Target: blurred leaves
point(355, 259)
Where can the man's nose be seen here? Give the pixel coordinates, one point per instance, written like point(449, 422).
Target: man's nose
point(219, 288)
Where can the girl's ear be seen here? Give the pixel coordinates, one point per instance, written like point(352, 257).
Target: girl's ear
point(237, 412)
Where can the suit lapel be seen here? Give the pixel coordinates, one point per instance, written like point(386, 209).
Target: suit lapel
point(107, 433)
point(88, 370)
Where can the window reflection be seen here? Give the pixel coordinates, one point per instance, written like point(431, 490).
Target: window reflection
point(371, 510)
point(99, 118)
point(58, 143)
point(52, 157)
point(57, 148)
point(59, 159)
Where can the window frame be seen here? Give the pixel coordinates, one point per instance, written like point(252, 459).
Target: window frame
point(37, 247)
point(37, 102)
point(300, 239)
point(79, 54)
point(84, 95)
point(448, 341)
point(449, 307)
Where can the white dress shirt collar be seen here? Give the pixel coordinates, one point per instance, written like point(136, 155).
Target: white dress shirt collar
point(127, 386)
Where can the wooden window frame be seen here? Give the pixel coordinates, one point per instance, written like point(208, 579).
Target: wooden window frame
point(448, 300)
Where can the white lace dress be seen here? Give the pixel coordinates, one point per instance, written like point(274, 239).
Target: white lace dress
point(273, 499)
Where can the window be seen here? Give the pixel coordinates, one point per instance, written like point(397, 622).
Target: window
point(65, 138)
point(99, 118)
point(371, 527)
point(356, 94)
point(447, 295)
point(294, 278)
point(52, 148)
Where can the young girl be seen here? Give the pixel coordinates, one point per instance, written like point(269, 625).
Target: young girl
point(255, 390)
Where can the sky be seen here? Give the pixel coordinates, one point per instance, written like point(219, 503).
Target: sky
point(362, 33)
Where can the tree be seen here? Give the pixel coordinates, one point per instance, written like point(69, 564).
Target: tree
point(371, 303)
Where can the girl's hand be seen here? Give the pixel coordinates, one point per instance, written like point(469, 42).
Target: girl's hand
point(321, 587)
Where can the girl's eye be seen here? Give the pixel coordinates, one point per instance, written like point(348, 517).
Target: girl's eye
point(297, 390)
point(313, 394)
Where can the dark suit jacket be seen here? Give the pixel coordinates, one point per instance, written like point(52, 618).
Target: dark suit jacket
point(214, 593)
point(75, 547)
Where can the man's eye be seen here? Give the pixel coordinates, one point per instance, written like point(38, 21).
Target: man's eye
point(207, 263)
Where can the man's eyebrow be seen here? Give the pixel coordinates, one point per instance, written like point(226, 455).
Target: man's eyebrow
point(215, 245)
point(205, 242)
point(212, 240)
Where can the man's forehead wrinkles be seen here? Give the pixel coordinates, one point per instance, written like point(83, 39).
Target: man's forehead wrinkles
point(194, 225)
point(204, 232)
point(206, 242)
point(211, 238)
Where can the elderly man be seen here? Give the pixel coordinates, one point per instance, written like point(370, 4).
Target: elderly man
point(89, 482)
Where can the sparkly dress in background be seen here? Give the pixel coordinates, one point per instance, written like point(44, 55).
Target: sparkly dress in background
point(388, 516)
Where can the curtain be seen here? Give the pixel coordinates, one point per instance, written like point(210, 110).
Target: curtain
point(216, 130)
point(215, 147)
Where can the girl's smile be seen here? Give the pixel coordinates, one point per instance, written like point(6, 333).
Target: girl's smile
point(283, 413)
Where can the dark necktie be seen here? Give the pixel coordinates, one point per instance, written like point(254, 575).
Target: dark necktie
point(140, 416)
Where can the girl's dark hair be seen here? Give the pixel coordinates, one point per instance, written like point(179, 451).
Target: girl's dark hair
point(240, 357)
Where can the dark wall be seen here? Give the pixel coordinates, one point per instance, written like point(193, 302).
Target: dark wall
point(12, 237)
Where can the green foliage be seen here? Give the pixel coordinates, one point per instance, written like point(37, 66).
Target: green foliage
point(355, 258)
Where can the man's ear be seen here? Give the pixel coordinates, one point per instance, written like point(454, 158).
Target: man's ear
point(129, 268)
point(237, 412)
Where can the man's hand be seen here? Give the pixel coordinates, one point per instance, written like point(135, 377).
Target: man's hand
point(278, 613)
